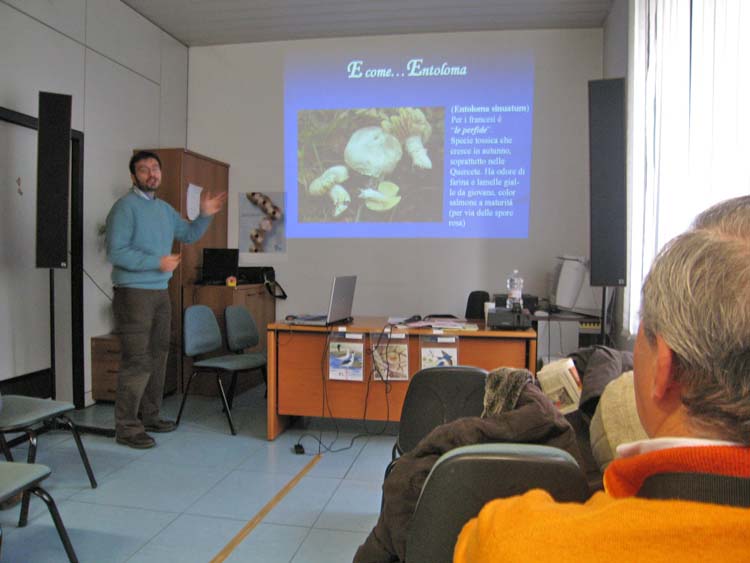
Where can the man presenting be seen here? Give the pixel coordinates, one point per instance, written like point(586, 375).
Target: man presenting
point(140, 232)
point(692, 392)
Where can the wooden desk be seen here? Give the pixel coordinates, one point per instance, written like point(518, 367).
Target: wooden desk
point(297, 372)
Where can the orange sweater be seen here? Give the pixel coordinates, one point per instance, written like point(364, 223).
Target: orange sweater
point(614, 526)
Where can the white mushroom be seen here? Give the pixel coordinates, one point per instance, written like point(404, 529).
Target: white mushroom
point(372, 152)
point(329, 182)
point(341, 199)
point(384, 198)
point(411, 127)
point(324, 182)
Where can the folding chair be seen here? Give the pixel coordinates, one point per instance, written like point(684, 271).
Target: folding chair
point(26, 414)
point(18, 477)
point(202, 336)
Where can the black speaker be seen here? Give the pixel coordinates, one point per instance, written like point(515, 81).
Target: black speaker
point(607, 160)
point(53, 180)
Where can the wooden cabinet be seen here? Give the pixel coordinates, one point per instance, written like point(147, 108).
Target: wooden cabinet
point(255, 298)
point(105, 365)
point(180, 168)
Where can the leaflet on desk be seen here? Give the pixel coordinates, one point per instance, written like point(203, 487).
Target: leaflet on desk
point(443, 325)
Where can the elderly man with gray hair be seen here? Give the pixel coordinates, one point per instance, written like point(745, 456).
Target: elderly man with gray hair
point(685, 491)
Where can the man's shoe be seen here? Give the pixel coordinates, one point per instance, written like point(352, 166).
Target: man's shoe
point(160, 426)
point(140, 441)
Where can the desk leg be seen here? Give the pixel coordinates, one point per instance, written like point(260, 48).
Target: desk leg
point(275, 424)
point(532, 356)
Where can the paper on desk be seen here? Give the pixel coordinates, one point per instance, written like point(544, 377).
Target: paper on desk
point(444, 325)
point(453, 325)
point(193, 201)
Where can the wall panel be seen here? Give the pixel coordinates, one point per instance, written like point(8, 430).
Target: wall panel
point(116, 31)
point(66, 16)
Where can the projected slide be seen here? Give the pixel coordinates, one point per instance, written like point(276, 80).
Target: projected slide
point(386, 145)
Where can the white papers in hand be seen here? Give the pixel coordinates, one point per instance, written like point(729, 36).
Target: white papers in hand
point(193, 201)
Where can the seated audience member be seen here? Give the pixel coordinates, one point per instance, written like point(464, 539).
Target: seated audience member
point(615, 421)
point(692, 391)
point(515, 410)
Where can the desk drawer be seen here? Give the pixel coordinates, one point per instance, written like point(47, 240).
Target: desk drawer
point(105, 367)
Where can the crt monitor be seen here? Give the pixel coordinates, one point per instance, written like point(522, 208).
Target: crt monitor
point(219, 264)
point(572, 290)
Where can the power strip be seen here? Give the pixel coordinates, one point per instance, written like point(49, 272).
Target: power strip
point(589, 327)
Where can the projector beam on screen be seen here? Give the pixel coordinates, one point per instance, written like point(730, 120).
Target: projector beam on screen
point(401, 146)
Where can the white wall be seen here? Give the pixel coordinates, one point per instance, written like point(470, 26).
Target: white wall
point(616, 40)
point(128, 80)
point(235, 114)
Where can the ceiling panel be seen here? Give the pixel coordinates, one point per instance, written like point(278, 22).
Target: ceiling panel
point(216, 22)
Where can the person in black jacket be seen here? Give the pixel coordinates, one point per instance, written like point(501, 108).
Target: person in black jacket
point(515, 410)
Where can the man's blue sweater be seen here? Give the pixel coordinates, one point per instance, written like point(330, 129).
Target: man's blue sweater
point(139, 232)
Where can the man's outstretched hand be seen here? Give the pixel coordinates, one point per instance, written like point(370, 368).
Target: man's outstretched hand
point(169, 262)
point(211, 204)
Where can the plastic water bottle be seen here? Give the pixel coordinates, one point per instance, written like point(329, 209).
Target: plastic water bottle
point(515, 291)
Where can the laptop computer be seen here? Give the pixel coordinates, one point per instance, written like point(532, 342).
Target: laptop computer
point(339, 308)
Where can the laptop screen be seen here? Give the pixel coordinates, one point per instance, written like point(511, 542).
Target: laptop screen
point(219, 264)
point(342, 298)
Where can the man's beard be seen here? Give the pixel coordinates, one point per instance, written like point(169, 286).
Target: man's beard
point(146, 187)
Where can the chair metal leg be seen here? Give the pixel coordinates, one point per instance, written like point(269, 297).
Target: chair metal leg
point(264, 369)
point(32, 446)
point(226, 405)
point(24, 517)
point(55, 514)
point(5, 448)
point(232, 386)
point(82, 452)
point(184, 398)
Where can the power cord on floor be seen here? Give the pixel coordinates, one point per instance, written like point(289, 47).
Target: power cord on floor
point(299, 449)
point(385, 332)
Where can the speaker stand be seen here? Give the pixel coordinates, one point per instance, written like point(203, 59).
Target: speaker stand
point(603, 321)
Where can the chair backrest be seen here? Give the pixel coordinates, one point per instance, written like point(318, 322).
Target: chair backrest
point(465, 479)
point(201, 332)
point(242, 331)
point(475, 304)
point(438, 395)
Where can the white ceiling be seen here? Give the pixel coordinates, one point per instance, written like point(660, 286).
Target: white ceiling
point(217, 22)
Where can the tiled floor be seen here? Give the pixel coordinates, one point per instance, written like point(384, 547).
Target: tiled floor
point(184, 500)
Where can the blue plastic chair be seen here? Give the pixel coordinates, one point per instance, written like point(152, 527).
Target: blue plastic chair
point(201, 335)
point(242, 333)
point(25, 477)
point(19, 413)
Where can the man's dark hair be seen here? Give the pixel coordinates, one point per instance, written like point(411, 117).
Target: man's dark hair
point(142, 155)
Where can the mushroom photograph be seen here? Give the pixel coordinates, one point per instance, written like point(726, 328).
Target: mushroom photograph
point(371, 165)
